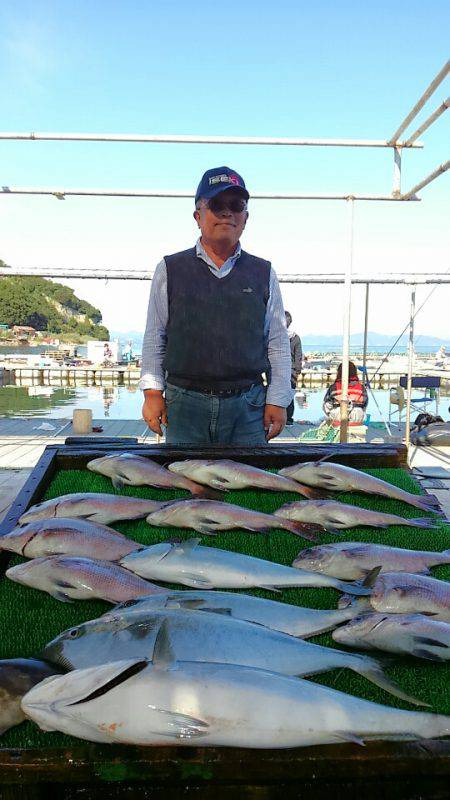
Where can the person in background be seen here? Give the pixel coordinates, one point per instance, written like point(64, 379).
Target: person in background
point(296, 363)
point(357, 397)
point(215, 325)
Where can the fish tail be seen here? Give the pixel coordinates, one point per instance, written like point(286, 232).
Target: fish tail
point(427, 502)
point(355, 588)
point(373, 671)
point(421, 522)
point(445, 555)
point(299, 528)
point(205, 492)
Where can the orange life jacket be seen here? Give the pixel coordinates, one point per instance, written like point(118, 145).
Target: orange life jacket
point(355, 392)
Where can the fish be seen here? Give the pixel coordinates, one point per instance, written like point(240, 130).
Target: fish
point(404, 593)
point(97, 507)
point(70, 578)
point(207, 638)
point(284, 617)
point(127, 469)
point(407, 634)
point(208, 568)
point(355, 560)
point(226, 475)
point(331, 516)
point(17, 676)
point(339, 478)
point(209, 516)
point(164, 702)
point(71, 537)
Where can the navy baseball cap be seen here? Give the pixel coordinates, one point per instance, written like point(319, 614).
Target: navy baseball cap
point(217, 180)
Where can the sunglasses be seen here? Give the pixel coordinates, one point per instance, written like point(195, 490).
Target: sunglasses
point(218, 204)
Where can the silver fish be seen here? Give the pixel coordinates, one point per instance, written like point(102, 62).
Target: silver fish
point(17, 676)
point(193, 704)
point(284, 617)
point(71, 578)
point(209, 516)
point(227, 475)
point(207, 638)
point(339, 478)
point(98, 507)
point(127, 469)
point(404, 593)
point(208, 568)
point(354, 560)
point(329, 515)
point(407, 634)
point(71, 537)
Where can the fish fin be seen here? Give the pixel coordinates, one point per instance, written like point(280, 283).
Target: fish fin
point(421, 652)
point(220, 483)
point(255, 529)
point(178, 602)
point(269, 588)
point(312, 493)
point(374, 673)
point(117, 483)
point(206, 493)
point(303, 529)
point(125, 670)
point(189, 544)
point(356, 588)
point(223, 611)
point(204, 530)
point(371, 577)
point(324, 458)
point(334, 531)
point(346, 736)
point(62, 596)
point(182, 726)
point(432, 642)
point(163, 652)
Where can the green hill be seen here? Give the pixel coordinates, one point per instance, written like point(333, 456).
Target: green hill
point(48, 306)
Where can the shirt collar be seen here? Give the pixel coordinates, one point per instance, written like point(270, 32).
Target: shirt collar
point(201, 253)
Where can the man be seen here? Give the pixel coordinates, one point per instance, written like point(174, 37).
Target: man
point(296, 363)
point(215, 324)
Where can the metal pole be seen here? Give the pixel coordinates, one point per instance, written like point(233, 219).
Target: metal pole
point(410, 364)
point(396, 187)
point(366, 318)
point(429, 121)
point(409, 195)
point(343, 432)
point(421, 102)
point(61, 194)
point(193, 139)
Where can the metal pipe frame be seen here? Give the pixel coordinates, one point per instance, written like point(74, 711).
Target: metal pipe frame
point(410, 366)
point(429, 121)
point(192, 139)
point(106, 273)
point(61, 194)
point(431, 177)
point(421, 102)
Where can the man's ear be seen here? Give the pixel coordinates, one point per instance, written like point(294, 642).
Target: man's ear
point(246, 218)
point(196, 216)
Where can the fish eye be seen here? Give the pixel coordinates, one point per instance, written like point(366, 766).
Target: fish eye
point(74, 633)
point(128, 604)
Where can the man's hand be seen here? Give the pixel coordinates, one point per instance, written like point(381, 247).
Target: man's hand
point(154, 410)
point(274, 420)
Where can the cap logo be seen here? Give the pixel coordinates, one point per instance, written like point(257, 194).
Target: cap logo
point(224, 179)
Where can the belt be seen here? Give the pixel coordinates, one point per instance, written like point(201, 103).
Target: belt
point(213, 391)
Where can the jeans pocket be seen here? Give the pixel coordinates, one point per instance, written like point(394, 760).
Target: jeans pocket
point(172, 393)
point(256, 396)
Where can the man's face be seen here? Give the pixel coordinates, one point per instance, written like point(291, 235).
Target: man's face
point(224, 222)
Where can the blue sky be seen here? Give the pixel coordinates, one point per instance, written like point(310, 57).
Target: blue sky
point(255, 68)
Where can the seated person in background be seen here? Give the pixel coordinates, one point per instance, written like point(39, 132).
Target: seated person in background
point(357, 398)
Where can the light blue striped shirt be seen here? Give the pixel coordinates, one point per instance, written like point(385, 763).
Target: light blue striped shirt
point(279, 392)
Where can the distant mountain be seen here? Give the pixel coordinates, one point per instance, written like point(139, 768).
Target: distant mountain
point(48, 306)
point(373, 340)
point(319, 341)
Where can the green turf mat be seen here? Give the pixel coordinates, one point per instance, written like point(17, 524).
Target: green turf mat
point(30, 618)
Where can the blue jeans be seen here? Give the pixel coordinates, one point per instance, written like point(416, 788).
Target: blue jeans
point(196, 418)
